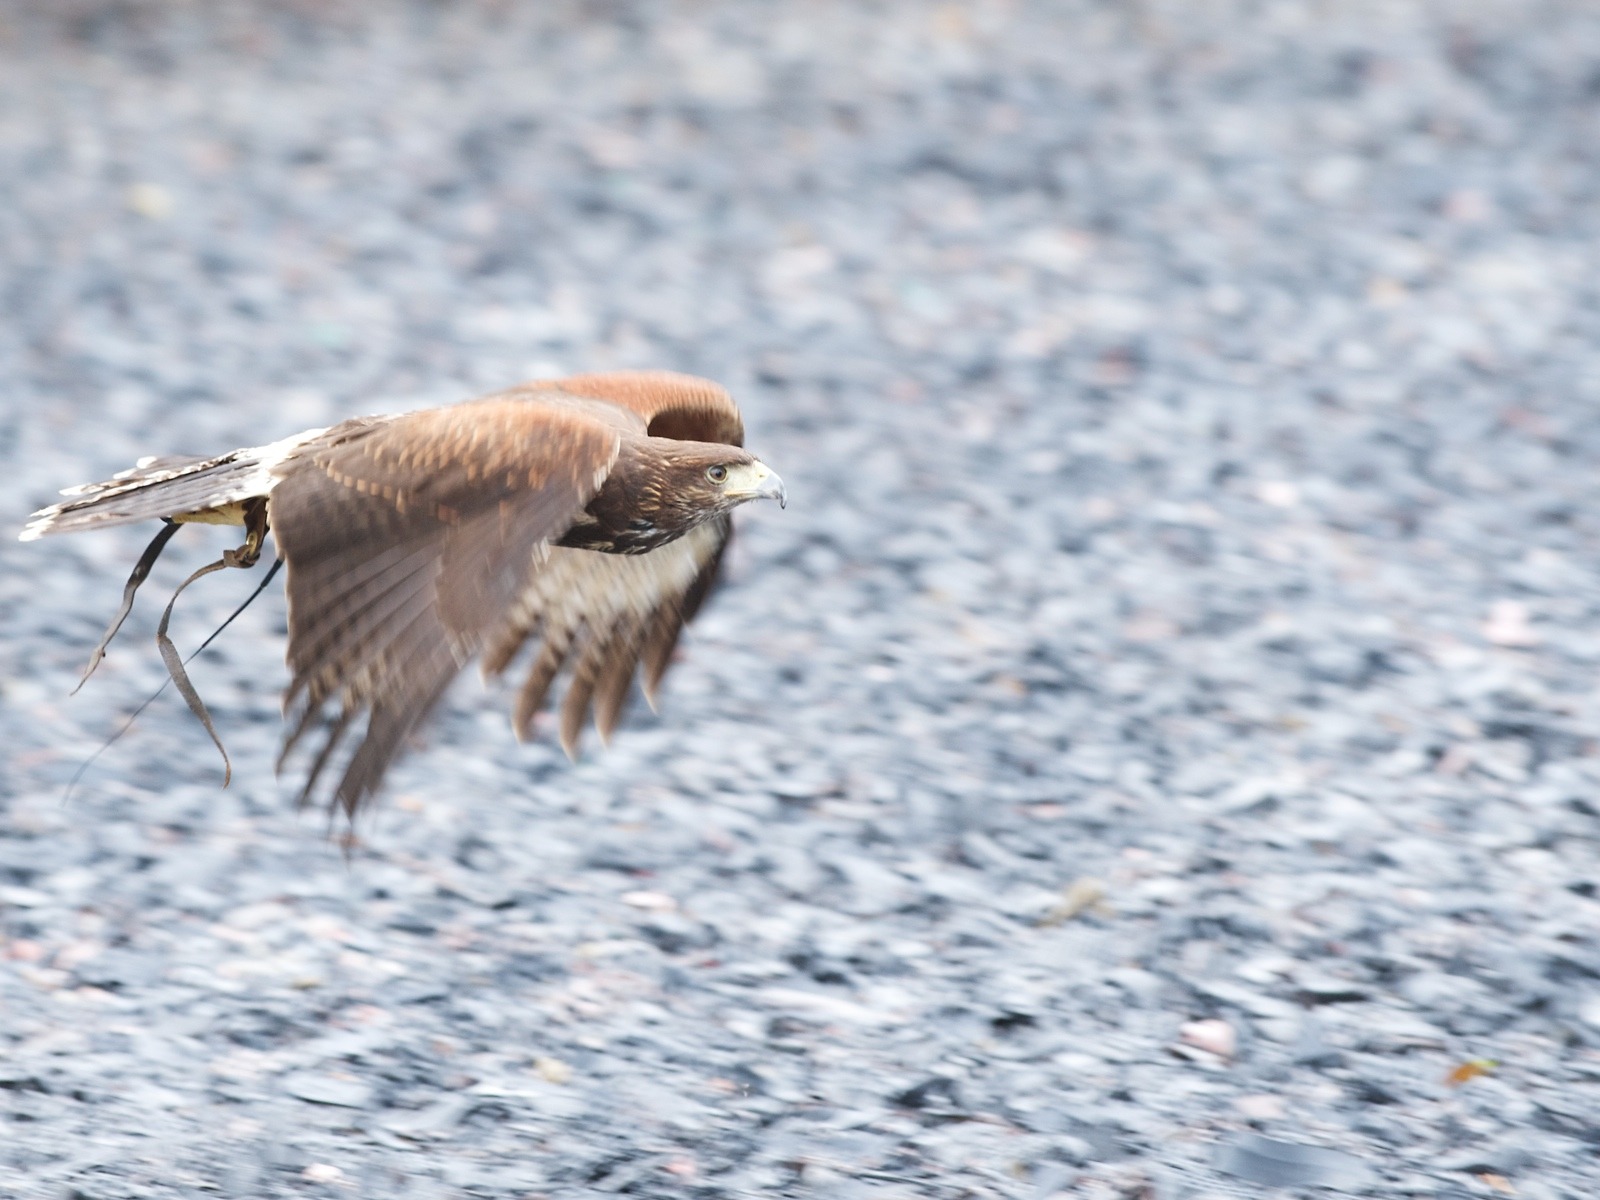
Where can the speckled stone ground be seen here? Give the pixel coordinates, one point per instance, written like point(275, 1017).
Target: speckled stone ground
point(1156, 747)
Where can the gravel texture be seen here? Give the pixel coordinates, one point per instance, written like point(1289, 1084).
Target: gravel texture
point(1156, 748)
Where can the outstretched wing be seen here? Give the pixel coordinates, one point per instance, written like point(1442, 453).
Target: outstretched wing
point(609, 615)
point(407, 542)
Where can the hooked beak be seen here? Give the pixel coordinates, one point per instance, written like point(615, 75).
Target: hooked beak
point(758, 482)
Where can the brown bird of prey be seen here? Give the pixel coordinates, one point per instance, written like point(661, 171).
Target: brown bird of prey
point(588, 513)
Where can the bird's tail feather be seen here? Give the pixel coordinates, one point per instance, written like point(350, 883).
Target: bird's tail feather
point(174, 486)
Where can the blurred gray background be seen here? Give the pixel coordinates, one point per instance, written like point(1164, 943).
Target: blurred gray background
point(1154, 751)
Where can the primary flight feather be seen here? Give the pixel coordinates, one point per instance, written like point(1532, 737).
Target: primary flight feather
point(587, 515)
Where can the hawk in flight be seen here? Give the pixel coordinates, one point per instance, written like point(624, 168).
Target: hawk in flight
point(588, 515)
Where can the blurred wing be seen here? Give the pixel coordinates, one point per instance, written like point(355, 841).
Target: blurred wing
point(607, 615)
point(407, 542)
point(681, 407)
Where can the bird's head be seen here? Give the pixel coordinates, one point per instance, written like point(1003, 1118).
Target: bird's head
point(708, 479)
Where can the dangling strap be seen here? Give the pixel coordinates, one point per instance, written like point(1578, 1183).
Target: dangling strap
point(141, 572)
point(180, 677)
point(138, 712)
point(255, 521)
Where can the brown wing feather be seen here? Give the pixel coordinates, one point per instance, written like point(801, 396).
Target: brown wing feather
point(552, 653)
point(604, 613)
point(613, 678)
point(662, 638)
point(406, 543)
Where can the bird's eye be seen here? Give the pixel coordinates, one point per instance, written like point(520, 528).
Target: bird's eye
point(717, 474)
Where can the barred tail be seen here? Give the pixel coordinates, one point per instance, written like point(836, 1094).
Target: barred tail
point(182, 487)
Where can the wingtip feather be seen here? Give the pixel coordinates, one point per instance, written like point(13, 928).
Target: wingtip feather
point(572, 723)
